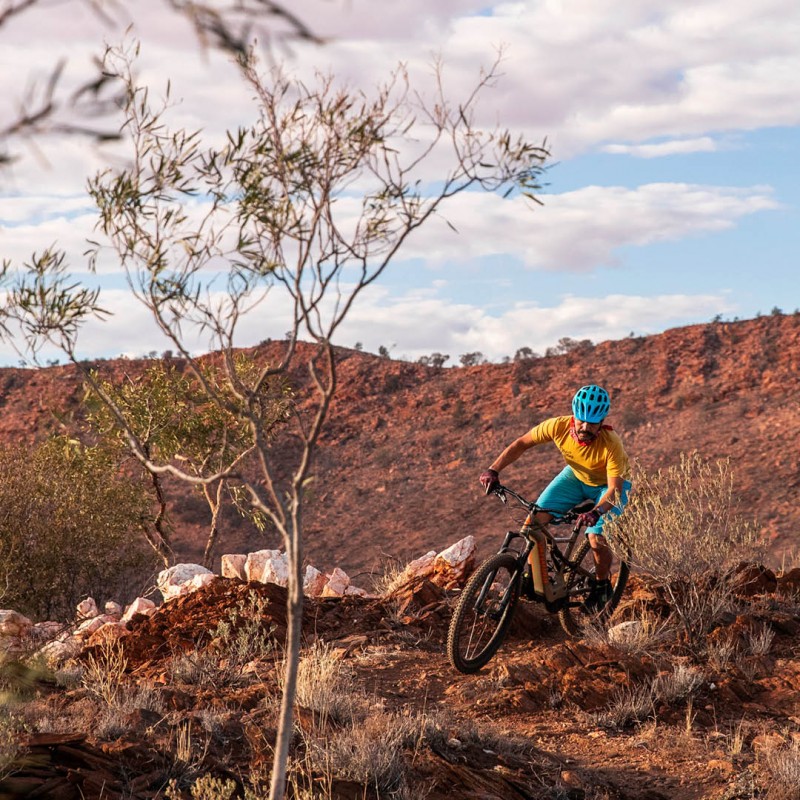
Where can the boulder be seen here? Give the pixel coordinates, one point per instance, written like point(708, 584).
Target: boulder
point(417, 595)
point(113, 609)
point(89, 626)
point(452, 566)
point(141, 605)
point(200, 580)
point(421, 567)
point(232, 565)
point(57, 652)
point(337, 583)
point(46, 631)
point(12, 623)
point(267, 566)
point(180, 580)
point(313, 581)
point(87, 608)
point(109, 632)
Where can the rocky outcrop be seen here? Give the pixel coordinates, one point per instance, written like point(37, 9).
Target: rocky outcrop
point(57, 643)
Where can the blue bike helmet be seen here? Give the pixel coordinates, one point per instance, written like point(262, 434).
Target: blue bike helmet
point(591, 404)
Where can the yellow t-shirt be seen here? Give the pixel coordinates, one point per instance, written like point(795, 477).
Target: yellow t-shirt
point(593, 464)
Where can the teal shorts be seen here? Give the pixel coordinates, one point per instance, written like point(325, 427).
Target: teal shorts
point(566, 491)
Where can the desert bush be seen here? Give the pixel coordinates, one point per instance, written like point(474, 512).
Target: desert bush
point(188, 752)
point(629, 704)
point(638, 702)
point(780, 766)
point(10, 747)
point(440, 729)
point(104, 678)
point(104, 673)
point(235, 643)
point(681, 527)
point(759, 642)
point(643, 634)
point(326, 685)
point(206, 787)
point(67, 519)
point(371, 754)
point(679, 684)
point(720, 653)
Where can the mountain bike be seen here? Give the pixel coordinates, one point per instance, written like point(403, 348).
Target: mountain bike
point(562, 573)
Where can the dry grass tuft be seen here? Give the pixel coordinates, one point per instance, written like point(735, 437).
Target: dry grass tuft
point(390, 579)
point(780, 766)
point(104, 674)
point(681, 528)
point(638, 703)
point(642, 635)
point(10, 748)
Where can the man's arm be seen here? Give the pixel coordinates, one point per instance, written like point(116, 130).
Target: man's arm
point(609, 499)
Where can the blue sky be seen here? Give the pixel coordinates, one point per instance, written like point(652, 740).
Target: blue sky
point(672, 193)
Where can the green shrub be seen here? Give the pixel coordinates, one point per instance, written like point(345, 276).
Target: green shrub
point(69, 528)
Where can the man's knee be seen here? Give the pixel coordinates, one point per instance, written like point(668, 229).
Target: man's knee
point(597, 541)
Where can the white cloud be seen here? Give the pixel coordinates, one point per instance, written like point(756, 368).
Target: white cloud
point(581, 230)
point(650, 80)
point(582, 76)
point(413, 326)
point(572, 71)
point(412, 323)
point(577, 231)
point(703, 144)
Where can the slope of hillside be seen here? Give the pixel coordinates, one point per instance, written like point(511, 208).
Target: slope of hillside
point(397, 469)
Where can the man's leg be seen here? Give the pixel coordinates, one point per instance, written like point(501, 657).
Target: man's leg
point(602, 556)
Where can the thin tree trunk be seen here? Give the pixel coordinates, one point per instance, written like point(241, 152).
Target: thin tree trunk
point(294, 630)
point(215, 504)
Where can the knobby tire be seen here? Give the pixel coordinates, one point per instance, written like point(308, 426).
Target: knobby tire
point(482, 617)
point(574, 618)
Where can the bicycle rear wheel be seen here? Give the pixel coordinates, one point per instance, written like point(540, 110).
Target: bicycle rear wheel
point(574, 616)
point(484, 612)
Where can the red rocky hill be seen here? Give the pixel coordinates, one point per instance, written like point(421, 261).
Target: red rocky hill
point(398, 464)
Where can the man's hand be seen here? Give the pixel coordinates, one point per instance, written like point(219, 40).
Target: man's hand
point(589, 518)
point(489, 480)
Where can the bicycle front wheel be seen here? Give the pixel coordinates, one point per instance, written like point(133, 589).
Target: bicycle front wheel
point(484, 612)
point(574, 616)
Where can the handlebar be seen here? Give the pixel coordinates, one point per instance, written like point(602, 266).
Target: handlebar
point(559, 517)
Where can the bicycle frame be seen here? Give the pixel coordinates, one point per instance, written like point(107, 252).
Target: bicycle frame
point(547, 567)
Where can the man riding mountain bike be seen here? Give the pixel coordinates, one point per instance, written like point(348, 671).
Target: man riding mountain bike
point(597, 469)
